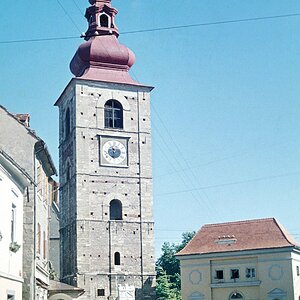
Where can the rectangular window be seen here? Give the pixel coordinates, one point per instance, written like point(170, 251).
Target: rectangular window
point(250, 273)
point(13, 223)
point(234, 273)
point(298, 271)
point(10, 297)
point(219, 274)
point(100, 292)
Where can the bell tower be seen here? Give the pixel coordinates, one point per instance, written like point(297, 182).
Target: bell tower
point(107, 229)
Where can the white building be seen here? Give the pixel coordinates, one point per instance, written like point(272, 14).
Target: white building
point(246, 260)
point(13, 181)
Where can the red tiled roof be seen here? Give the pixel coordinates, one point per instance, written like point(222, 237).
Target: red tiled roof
point(239, 236)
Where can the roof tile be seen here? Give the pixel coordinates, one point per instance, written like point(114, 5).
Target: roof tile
point(239, 236)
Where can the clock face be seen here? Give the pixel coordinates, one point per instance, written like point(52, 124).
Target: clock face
point(114, 152)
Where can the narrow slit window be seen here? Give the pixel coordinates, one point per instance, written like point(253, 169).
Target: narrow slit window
point(117, 259)
point(67, 123)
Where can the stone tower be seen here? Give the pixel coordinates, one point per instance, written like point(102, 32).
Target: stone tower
point(106, 228)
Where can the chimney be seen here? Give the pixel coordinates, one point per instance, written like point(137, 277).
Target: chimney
point(23, 118)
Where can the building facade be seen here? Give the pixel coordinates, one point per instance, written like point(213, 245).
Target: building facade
point(54, 246)
point(106, 228)
point(249, 260)
point(13, 182)
point(31, 154)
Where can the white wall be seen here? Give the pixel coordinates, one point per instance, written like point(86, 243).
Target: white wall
point(10, 262)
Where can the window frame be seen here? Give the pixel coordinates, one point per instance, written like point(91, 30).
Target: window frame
point(250, 272)
point(108, 20)
point(232, 274)
point(117, 259)
point(216, 274)
point(113, 114)
point(115, 210)
point(100, 292)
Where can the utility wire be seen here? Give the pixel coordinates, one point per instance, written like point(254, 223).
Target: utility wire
point(230, 183)
point(67, 14)
point(39, 40)
point(79, 9)
point(191, 179)
point(213, 23)
point(155, 29)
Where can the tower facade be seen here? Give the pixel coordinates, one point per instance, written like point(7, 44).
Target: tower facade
point(107, 229)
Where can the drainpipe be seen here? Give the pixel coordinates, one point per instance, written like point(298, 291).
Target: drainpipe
point(34, 225)
point(35, 153)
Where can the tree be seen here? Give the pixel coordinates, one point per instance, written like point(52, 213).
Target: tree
point(168, 269)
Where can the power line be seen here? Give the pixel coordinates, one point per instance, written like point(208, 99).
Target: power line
point(190, 179)
point(67, 14)
point(230, 183)
point(154, 29)
point(212, 23)
point(79, 9)
point(39, 40)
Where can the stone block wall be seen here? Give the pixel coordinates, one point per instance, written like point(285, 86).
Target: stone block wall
point(93, 185)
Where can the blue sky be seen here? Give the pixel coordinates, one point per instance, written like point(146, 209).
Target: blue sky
point(225, 109)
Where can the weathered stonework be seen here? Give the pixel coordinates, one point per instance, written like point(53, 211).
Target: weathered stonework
point(89, 238)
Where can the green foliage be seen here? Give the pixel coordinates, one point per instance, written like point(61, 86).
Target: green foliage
point(168, 270)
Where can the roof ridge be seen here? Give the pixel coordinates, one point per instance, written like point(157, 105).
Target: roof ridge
point(239, 222)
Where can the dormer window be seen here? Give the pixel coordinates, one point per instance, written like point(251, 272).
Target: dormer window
point(104, 20)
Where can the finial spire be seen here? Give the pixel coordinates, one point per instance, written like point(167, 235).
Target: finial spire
point(101, 19)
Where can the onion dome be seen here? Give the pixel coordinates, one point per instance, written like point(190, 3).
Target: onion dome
point(102, 57)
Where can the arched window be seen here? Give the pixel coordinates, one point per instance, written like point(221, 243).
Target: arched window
point(236, 295)
point(115, 210)
point(117, 259)
point(113, 114)
point(67, 123)
point(104, 20)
